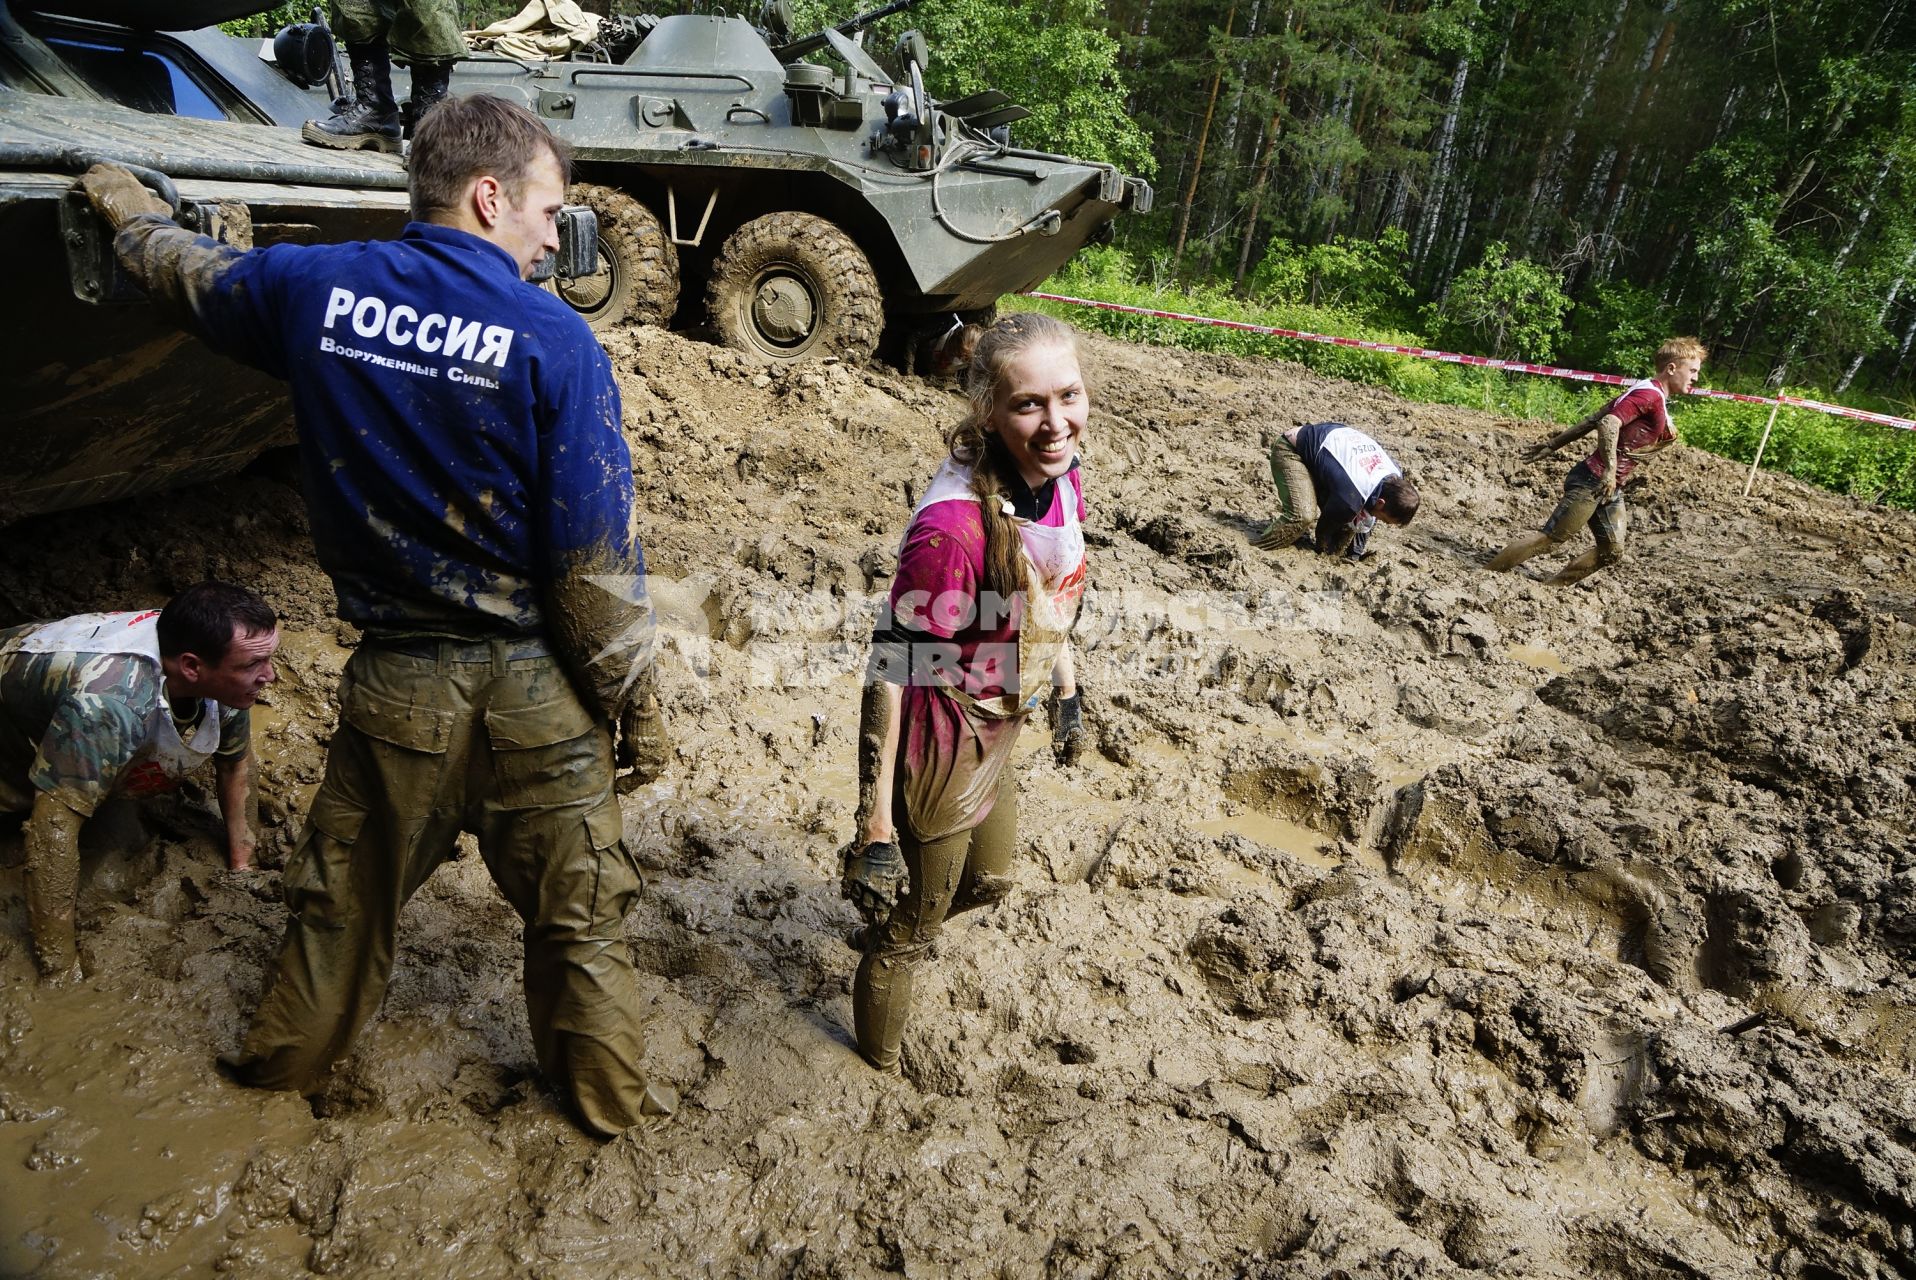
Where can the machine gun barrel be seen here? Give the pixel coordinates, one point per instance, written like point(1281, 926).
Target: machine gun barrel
point(849, 27)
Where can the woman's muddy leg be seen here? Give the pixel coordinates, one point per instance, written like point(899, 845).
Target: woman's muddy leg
point(881, 993)
point(994, 841)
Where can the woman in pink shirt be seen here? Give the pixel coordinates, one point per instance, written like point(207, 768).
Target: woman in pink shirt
point(990, 575)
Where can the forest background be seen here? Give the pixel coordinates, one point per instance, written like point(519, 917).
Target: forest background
point(1559, 180)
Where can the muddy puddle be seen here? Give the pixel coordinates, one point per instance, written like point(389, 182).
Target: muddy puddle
point(1402, 920)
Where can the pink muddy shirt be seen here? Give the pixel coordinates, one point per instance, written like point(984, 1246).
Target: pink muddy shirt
point(937, 590)
point(1646, 426)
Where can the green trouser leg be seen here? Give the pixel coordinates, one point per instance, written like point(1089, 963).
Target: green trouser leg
point(1296, 497)
point(582, 994)
point(416, 30)
point(371, 839)
point(964, 870)
point(425, 749)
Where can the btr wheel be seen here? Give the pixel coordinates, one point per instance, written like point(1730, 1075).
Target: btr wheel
point(638, 277)
point(789, 286)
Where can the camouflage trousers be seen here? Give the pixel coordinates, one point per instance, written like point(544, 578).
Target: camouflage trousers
point(436, 737)
point(415, 30)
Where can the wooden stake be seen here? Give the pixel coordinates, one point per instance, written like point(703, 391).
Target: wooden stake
point(1758, 460)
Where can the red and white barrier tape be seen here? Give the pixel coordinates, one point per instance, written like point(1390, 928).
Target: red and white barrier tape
point(1485, 362)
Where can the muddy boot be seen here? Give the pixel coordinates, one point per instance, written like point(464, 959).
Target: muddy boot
point(430, 81)
point(371, 120)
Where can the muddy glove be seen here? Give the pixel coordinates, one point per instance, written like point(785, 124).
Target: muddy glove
point(118, 196)
point(1067, 728)
point(644, 746)
point(875, 878)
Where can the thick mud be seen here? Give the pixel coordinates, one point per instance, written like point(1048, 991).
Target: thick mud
point(1407, 920)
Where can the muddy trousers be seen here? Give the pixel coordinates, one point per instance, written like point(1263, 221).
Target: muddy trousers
point(435, 738)
point(957, 873)
point(1297, 510)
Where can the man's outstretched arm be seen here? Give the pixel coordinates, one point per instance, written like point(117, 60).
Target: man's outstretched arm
point(212, 290)
point(239, 806)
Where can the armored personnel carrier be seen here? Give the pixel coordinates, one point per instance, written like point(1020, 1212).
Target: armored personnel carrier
point(792, 193)
point(800, 196)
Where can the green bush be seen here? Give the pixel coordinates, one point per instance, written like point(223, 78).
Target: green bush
point(1504, 304)
point(1368, 277)
point(1618, 329)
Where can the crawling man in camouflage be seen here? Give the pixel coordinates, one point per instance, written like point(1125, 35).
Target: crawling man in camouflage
point(125, 704)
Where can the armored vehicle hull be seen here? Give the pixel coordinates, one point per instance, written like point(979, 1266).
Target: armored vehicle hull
point(791, 196)
point(99, 397)
point(800, 208)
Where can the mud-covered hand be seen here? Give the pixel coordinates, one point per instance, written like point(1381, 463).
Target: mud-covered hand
point(118, 196)
point(1541, 452)
point(1068, 737)
point(644, 746)
point(875, 877)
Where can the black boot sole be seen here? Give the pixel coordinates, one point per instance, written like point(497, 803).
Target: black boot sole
point(348, 141)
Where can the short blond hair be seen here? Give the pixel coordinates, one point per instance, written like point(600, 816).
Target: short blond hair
point(1675, 350)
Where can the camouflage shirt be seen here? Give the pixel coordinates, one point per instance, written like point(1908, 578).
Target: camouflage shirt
point(82, 725)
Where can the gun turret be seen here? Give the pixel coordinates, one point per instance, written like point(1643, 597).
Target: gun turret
point(850, 27)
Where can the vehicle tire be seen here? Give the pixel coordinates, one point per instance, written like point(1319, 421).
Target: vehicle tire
point(789, 286)
point(638, 277)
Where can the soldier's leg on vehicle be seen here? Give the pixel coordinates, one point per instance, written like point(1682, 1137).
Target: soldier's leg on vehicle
point(386, 814)
point(551, 832)
point(426, 31)
point(994, 843)
point(1296, 499)
point(369, 119)
point(359, 21)
point(881, 993)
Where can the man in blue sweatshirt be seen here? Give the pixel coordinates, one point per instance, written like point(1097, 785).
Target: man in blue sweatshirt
point(471, 497)
point(1334, 483)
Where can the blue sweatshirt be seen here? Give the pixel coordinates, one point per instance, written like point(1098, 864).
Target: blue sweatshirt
point(458, 427)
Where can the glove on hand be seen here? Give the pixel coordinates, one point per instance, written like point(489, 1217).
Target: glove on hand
point(118, 196)
point(644, 746)
point(1068, 737)
point(875, 877)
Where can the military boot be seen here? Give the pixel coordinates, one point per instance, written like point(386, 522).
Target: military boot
point(429, 85)
point(371, 119)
